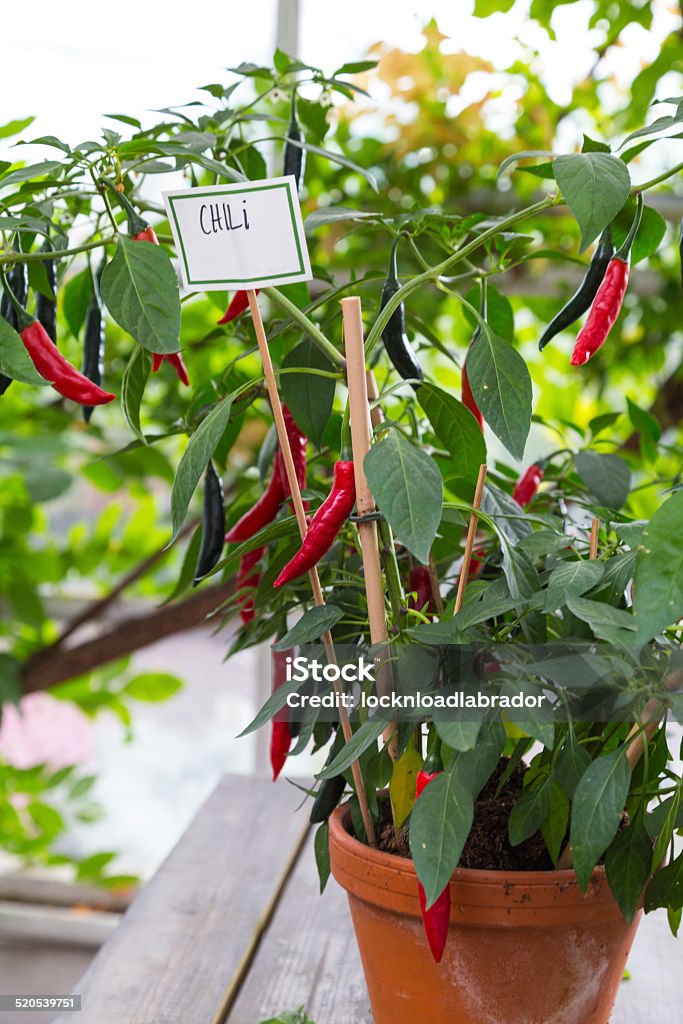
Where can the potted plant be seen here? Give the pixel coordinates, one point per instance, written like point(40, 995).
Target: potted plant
point(497, 853)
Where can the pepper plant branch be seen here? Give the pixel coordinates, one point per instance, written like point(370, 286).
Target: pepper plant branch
point(439, 269)
point(96, 609)
point(49, 667)
point(637, 189)
point(37, 257)
point(316, 336)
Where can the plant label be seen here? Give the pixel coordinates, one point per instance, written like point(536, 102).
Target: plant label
point(242, 236)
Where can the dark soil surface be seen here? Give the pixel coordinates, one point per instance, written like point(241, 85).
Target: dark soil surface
point(487, 847)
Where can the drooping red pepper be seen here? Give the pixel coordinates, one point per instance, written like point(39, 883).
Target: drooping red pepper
point(248, 577)
point(280, 735)
point(262, 513)
point(176, 361)
point(297, 442)
point(420, 584)
point(468, 398)
point(528, 484)
point(325, 525)
point(609, 298)
point(49, 361)
point(147, 234)
point(436, 919)
point(238, 304)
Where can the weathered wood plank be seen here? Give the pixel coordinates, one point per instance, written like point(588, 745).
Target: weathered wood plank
point(188, 936)
point(308, 956)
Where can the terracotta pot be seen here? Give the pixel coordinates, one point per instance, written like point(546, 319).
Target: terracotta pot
point(524, 947)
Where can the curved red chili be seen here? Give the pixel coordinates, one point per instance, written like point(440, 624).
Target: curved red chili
point(325, 525)
point(238, 304)
point(468, 398)
point(603, 313)
point(148, 234)
point(420, 584)
point(176, 361)
point(53, 367)
point(297, 442)
point(528, 484)
point(262, 513)
point(248, 578)
point(609, 298)
point(436, 919)
point(280, 735)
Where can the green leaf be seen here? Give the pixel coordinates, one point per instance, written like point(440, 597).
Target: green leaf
point(362, 739)
point(355, 67)
point(571, 764)
point(457, 430)
point(571, 579)
point(439, 827)
point(321, 847)
point(298, 1016)
point(133, 387)
point(200, 448)
point(153, 686)
point(308, 396)
point(475, 767)
point(538, 722)
point(658, 582)
point(484, 8)
point(606, 476)
point(603, 619)
point(458, 734)
point(14, 360)
point(628, 864)
point(501, 386)
point(529, 813)
point(406, 484)
point(76, 298)
point(140, 290)
point(554, 828)
point(597, 810)
point(310, 626)
point(666, 887)
point(596, 186)
point(15, 127)
point(644, 422)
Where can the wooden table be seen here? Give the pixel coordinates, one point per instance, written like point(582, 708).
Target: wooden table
point(232, 929)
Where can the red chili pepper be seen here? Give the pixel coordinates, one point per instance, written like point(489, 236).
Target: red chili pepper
point(436, 920)
point(280, 735)
point(528, 484)
point(603, 313)
point(248, 578)
point(420, 583)
point(262, 513)
point(53, 367)
point(176, 361)
point(238, 304)
point(468, 398)
point(297, 443)
point(325, 525)
point(608, 300)
point(148, 234)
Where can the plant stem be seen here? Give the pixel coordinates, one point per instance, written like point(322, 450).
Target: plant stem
point(441, 268)
point(393, 578)
point(658, 180)
point(316, 336)
point(36, 257)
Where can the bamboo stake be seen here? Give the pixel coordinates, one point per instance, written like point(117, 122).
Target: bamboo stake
point(365, 503)
point(286, 451)
point(595, 530)
point(469, 543)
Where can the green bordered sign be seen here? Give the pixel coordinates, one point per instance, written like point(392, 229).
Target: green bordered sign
point(247, 235)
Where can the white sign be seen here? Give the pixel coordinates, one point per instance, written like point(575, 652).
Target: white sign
point(247, 235)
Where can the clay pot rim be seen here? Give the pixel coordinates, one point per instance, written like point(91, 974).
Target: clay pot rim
point(352, 847)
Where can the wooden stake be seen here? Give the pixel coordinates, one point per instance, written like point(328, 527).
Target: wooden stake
point(365, 503)
point(469, 543)
point(595, 530)
point(286, 452)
